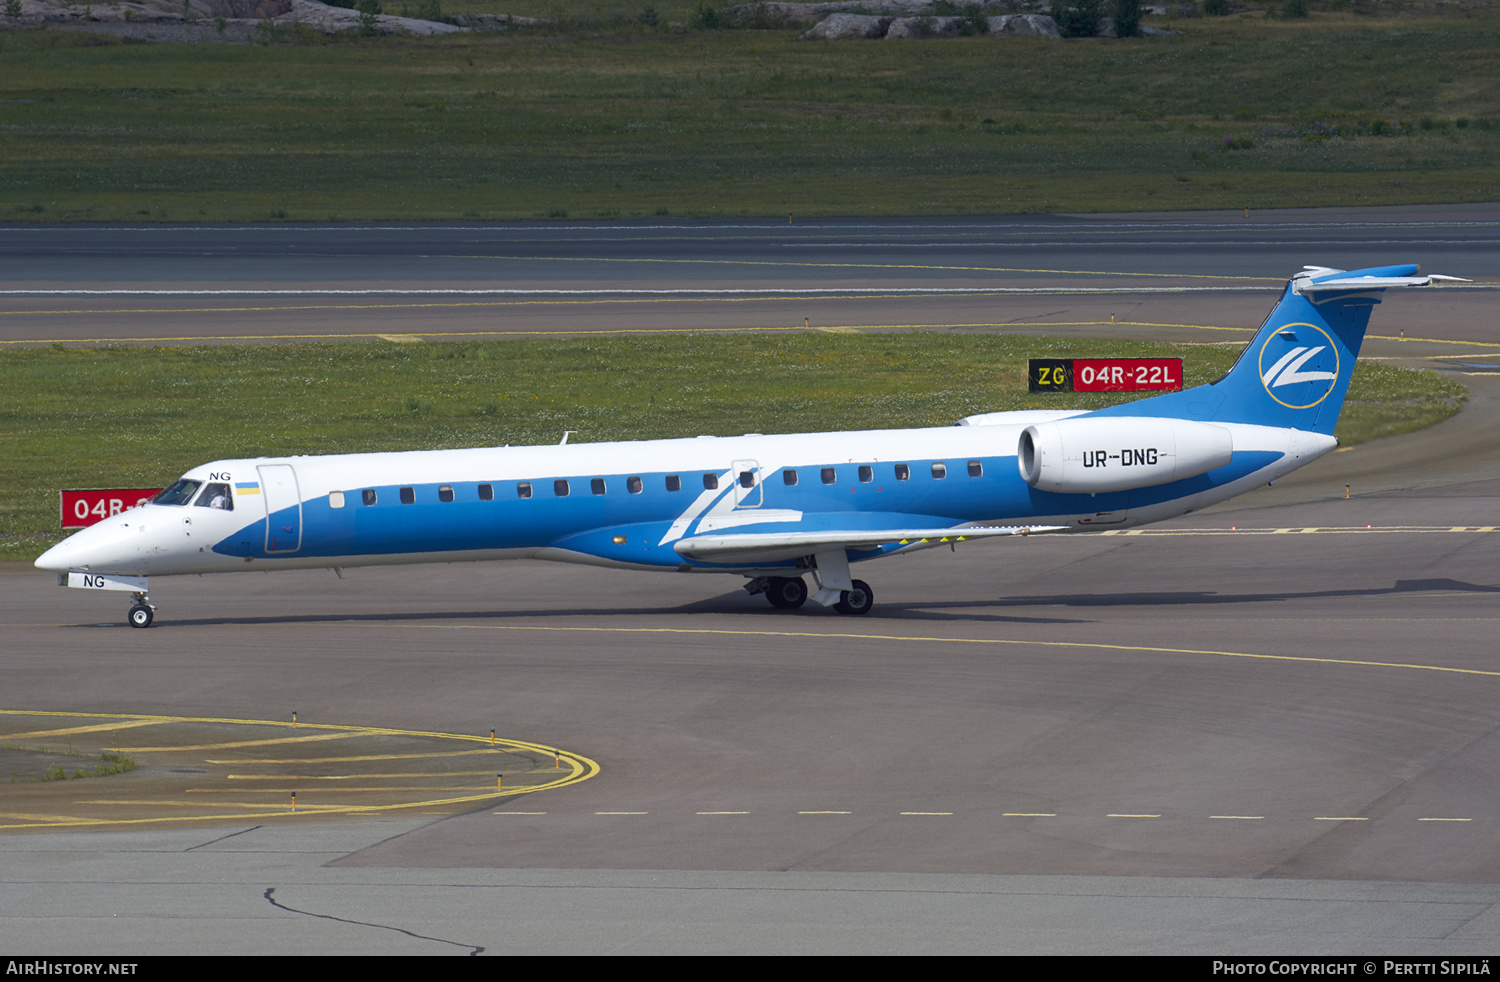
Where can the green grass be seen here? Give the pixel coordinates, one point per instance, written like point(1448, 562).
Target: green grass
point(138, 417)
point(108, 764)
point(1337, 109)
point(36, 769)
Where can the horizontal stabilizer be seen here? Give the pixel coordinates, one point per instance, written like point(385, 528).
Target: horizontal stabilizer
point(1323, 279)
point(767, 547)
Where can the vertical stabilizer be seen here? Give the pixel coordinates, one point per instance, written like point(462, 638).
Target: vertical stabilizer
point(1295, 372)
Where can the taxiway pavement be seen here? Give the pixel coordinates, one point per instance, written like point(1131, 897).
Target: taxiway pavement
point(1267, 727)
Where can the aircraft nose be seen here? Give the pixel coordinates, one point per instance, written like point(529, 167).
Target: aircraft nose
point(64, 556)
point(102, 548)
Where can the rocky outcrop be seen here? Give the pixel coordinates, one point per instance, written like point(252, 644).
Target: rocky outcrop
point(923, 27)
point(844, 27)
point(1023, 25)
point(332, 20)
point(310, 13)
point(244, 20)
point(814, 11)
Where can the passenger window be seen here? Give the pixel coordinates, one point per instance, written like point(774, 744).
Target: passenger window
point(368, 496)
point(408, 496)
point(903, 473)
point(633, 485)
point(445, 493)
point(789, 478)
point(829, 475)
point(747, 479)
point(523, 490)
point(486, 492)
point(217, 496)
point(939, 471)
point(976, 469)
point(674, 482)
point(710, 481)
point(866, 473)
point(335, 499)
point(597, 485)
point(560, 488)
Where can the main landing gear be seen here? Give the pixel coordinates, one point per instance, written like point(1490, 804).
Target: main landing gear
point(142, 611)
point(790, 592)
point(786, 592)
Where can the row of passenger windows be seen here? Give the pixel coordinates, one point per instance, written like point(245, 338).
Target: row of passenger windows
point(562, 488)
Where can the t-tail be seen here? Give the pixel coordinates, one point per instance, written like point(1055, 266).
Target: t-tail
point(1296, 371)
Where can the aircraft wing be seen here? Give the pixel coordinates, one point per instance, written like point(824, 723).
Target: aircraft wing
point(766, 547)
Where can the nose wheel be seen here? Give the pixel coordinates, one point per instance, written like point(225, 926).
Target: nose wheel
point(141, 612)
point(857, 601)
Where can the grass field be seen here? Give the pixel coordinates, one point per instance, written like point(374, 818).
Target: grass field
point(138, 417)
point(605, 121)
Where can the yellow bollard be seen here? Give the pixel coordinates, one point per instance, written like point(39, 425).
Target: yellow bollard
point(492, 736)
point(294, 801)
point(294, 719)
point(1346, 490)
point(499, 781)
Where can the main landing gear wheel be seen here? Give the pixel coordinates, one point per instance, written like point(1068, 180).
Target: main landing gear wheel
point(856, 601)
point(140, 615)
point(786, 592)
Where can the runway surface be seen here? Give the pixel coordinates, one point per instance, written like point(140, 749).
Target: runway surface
point(1268, 727)
point(79, 284)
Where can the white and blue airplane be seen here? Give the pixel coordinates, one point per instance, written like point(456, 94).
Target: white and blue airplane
point(771, 508)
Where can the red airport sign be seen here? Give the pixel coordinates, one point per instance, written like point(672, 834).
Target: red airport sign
point(1104, 374)
point(80, 509)
point(1126, 374)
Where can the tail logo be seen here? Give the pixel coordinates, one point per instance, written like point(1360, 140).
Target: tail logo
point(1304, 373)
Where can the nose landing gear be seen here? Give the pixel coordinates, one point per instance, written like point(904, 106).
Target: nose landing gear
point(142, 611)
point(857, 601)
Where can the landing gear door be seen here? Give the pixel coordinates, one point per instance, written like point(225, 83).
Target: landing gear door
point(746, 477)
point(278, 486)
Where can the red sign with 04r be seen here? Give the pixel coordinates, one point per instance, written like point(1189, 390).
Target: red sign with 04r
point(1126, 374)
point(81, 509)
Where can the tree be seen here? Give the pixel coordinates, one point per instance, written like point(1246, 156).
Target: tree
point(1127, 18)
point(1078, 19)
point(368, 11)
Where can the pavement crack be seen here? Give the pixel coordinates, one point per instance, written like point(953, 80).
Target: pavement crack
point(221, 838)
point(473, 949)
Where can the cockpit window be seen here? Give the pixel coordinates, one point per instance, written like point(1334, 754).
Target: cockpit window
point(217, 496)
point(178, 494)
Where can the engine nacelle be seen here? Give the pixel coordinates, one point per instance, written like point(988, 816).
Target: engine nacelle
point(1116, 453)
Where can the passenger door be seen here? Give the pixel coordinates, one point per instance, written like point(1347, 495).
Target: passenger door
point(278, 485)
